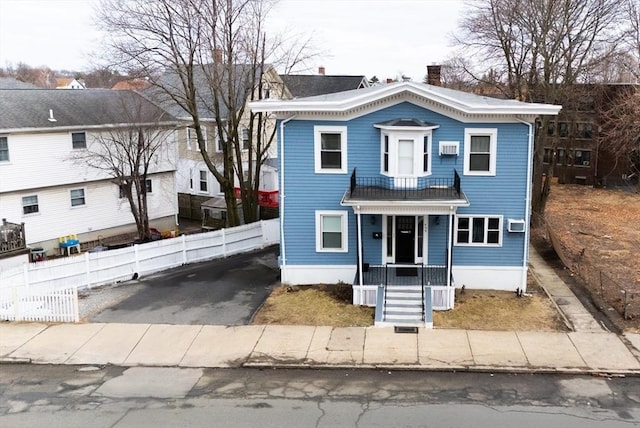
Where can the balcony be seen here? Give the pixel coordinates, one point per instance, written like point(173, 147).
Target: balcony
point(12, 237)
point(404, 189)
point(265, 198)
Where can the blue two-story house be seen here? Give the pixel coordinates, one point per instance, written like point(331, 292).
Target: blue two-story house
point(406, 191)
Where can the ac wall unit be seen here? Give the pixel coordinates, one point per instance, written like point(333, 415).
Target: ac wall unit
point(585, 163)
point(449, 148)
point(515, 225)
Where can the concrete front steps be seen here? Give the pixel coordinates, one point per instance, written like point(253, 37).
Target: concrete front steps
point(402, 307)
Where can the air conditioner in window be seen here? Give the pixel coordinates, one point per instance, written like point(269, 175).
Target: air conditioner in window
point(449, 148)
point(517, 226)
point(585, 163)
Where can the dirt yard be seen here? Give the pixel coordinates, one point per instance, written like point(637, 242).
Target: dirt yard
point(596, 233)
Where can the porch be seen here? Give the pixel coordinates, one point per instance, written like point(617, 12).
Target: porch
point(404, 294)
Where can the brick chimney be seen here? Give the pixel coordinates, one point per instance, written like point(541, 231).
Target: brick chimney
point(433, 75)
point(321, 70)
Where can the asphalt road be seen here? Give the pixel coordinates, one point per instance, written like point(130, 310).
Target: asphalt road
point(119, 397)
point(218, 292)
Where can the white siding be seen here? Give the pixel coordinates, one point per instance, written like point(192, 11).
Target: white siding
point(38, 160)
point(103, 208)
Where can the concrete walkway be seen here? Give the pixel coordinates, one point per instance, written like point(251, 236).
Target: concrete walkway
point(587, 349)
point(303, 346)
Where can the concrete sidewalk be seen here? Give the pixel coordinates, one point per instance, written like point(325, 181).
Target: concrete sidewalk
point(587, 349)
point(303, 346)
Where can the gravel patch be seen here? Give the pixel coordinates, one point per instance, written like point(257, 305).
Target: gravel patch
point(92, 301)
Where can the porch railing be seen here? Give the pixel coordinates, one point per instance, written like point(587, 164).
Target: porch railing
point(12, 237)
point(404, 188)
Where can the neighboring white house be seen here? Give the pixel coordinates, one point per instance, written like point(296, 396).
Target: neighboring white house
point(55, 196)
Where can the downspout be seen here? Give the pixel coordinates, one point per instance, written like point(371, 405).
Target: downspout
point(361, 273)
point(283, 257)
point(527, 212)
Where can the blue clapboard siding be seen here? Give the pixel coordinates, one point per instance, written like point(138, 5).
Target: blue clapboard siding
point(305, 192)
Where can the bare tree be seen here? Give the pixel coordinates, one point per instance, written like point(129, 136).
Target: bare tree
point(208, 57)
point(128, 153)
point(540, 50)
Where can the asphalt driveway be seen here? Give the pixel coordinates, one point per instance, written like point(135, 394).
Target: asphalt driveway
point(219, 292)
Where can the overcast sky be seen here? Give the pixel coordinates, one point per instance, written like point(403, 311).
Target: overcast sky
point(370, 37)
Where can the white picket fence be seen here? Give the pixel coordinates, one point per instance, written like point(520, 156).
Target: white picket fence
point(48, 290)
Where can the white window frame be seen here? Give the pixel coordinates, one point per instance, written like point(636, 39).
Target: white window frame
point(200, 181)
point(244, 133)
point(37, 204)
point(317, 137)
point(192, 139)
point(84, 197)
point(484, 243)
point(492, 133)
point(393, 138)
point(85, 140)
point(344, 223)
point(4, 141)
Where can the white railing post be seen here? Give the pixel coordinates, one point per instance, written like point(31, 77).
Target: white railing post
point(76, 309)
point(25, 270)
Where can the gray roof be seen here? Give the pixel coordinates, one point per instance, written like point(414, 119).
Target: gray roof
point(12, 83)
point(319, 84)
point(170, 82)
point(31, 108)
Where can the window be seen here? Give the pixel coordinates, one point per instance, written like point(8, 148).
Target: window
point(582, 157)
point(480, 151)
point(77, 197)
point(79, 140)
point(584, 130)
point(425, 154)
point(330, 144)
point(148, 185)
point(385, 154)
point(245, 138)
point(203, 181)
point(192, 138)
point(331, 231)
point(478, 230)
point(563, 129)
point(30, 204)
point(4, 149)
point(219, 142)
point(547, 155)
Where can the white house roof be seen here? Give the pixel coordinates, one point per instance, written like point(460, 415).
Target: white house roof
point(461, 102)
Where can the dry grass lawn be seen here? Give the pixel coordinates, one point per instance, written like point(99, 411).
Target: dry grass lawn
point(475, 309)
point(312, 305)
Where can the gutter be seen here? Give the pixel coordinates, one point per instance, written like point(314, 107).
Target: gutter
point(527, 212)
point(283, 254)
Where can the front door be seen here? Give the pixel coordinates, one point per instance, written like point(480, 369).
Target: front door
point(405, 239)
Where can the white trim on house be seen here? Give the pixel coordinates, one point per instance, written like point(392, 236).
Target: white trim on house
point(485, 242)
point(492, 133)
point(463, 103)
point(506, 278)
point(393, 138)
point(318, 274)
point(318, 131)
point(344, 229)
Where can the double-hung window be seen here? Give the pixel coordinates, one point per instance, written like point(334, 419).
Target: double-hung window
point(479, 230)
point(4, 149)
point(331, 231)
point(480, 151)
point(330, 146)
point(30, 204)
point(77, 197)
point(192, 138)
point(79, 140)
point(245, 139)
point(203, 181)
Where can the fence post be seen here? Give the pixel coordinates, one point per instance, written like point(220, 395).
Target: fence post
point(625, 303)
point(135, 252)
point(184, 249)
point(224, 243)
point(88, 268)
